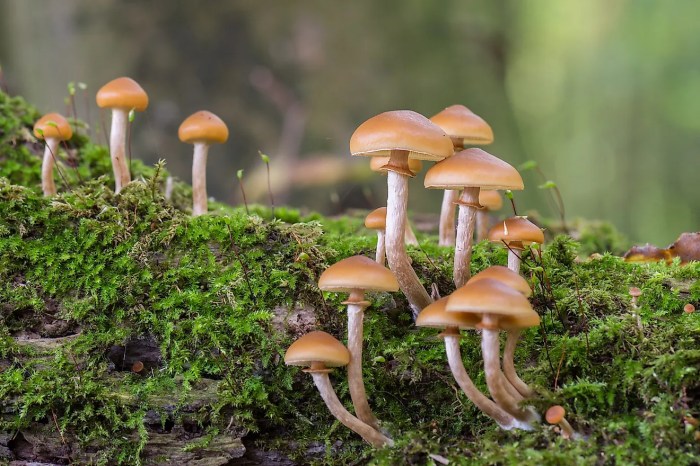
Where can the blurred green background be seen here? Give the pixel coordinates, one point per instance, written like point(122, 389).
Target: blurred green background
point(603, 94)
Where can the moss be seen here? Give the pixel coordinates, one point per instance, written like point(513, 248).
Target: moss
point(216, 292)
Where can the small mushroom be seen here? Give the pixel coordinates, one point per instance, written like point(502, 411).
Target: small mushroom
point(202, 129)
point(376, 220)
point(137, 367)
point(121, 95)
point(490, 201)
point(355, 275)
point(517, 233)
point(53, 129)
point(320, 352)
point(689, 308)
point(555, 415)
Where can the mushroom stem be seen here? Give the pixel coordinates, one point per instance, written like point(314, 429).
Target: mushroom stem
point(410, 236)
point(397, 257)
point(323, 383)
point(447, 218)
point(356, 384)
point(514, 260)
point(509, 364)
point(486, 405)
point(380, 256)
point(482, 225)
point(47, 184)
point(199, 179)
point(117, 148)
point(566, 430)
point(468, 205)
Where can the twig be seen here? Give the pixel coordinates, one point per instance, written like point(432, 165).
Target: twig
point(561, 361)
point(239, 175)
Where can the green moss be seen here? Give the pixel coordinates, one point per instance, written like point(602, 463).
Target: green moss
point(213, 292)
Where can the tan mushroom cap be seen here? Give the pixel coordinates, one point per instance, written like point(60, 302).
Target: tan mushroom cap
point(505, 276)
point(488, 296)
point(492, 200)
point(648, 253)
point(555, 414)
point(53, 125)
point(203, 126)
point(516, 232)
point(520, 321)
point(401, 130)
point(435, 315)
point(357, 273)
point(473, 168)
point(317, 347)
point(376, 220)
point(122, 93)
point(463, 126)
point(376, 164)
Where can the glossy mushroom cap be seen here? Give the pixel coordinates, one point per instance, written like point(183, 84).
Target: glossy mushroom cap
point(317, 347)
point(505, 276)
point(376, 220)
point(555, 414)
point(435, 315)
point(376, 164)
point(357, 273)
point(687, 247)
point(122, 93)
point(203, 126)
point(473, 168)
point(516, 232)
point(492, 200)
point(401, 130)
point(53, 125)
point(488, 296)
point(463, 126)
point(520, 321)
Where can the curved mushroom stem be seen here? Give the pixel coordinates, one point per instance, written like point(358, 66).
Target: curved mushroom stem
point(509, 365)
point(47, 184)
point(482, 224)
point(468, 203)
point(447, 218)
point(397, 201)
point(486, 405)
point(566, 430)
point(199, 179)
point(323, 383)
point(409, 236)
point(514, 259)
point(380, 255)
point(117, 148)
point(356, 310)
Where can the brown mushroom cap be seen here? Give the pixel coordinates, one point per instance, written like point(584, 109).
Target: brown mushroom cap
point(516, 230)
point(687, 247)
point(520, 321)
point(473, 168)
point(648, 253)
point(435, 315)
point(376, 220)
point(317, 347)
point(53, 125)
point(203, 126)
point(357, 273)
point(555, 414)
point(492, 200)
point(488, 296)
point(401, 130)
point(463, 125)
point(122, 93)
point(635, 292)
point(505, 276)
point(376, 163)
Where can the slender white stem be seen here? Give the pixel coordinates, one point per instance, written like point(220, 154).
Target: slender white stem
point(50, 152)
point(566, 430)
point(486, 405)
point(410, 235)
point(199, 179)
point(323, 383)
point(169, 185)
point(355, 382)
point(447, 218)
point(380, 255)
point(465, 232)
point(482, 224)
point(514, 260)
point(509, 365)
point(117, 148)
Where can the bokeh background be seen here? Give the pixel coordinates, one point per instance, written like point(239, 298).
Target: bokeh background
point(603, 94)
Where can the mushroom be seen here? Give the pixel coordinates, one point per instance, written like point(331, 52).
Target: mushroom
point(402, 135)
point(464, 128)
point(319, 351)
point(648, 253)
point(436, 316)
point(202, 129)
point(687, 247)
point(493, 301)
point(555, 415)
point(513, 326)
point(121, 95)
point(376, 220)
point(490, 201)
point(355, 275)
point(517, 233)
point(470, 169)
point(52, 128)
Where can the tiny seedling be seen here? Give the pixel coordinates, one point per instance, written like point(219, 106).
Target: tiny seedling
point(239, 175)
point(266, 159)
